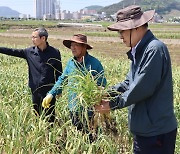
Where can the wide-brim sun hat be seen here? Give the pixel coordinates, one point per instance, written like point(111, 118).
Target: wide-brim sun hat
point(78, 38)
point(131, 17)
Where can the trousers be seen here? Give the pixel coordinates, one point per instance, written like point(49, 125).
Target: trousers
point(160, 144)
point(37, 99)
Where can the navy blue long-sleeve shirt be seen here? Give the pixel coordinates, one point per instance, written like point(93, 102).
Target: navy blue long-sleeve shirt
point(148, 89)
point(44, 66)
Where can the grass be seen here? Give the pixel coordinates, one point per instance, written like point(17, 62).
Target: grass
point(22, 132)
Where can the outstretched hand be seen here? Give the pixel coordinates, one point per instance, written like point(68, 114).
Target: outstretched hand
point(46, 101)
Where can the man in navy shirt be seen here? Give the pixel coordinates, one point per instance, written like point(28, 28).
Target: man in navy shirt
point(44, 66)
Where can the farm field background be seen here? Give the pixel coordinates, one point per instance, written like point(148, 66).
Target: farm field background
point(22, 132)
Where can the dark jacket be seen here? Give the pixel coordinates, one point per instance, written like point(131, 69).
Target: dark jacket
point(148, 89)
point(44, 66)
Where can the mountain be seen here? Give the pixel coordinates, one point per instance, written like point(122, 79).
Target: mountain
point(94, 7)
point(162, 7)
point(8, 12)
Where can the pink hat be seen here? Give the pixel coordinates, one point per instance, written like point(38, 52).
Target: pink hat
point(131, 17)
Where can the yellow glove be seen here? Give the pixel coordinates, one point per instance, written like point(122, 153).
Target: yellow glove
point(46, 101)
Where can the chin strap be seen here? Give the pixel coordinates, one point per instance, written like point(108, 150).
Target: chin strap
point(130, 38)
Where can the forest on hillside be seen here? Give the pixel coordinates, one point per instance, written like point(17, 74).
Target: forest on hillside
point(161, 6)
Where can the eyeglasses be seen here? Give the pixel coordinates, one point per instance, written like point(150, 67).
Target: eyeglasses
point(35, 37)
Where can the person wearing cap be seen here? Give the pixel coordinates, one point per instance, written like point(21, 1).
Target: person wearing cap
point(44, 65)
point(81, 58)
point(147, 90)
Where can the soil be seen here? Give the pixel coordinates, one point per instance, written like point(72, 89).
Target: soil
point(106, 46)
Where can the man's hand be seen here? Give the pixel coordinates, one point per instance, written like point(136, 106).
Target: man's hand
point(104, 107)
point(47, 100)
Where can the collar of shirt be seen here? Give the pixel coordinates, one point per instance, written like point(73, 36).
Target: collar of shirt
point(85, 58)
point(37, 50)
point(133, 52)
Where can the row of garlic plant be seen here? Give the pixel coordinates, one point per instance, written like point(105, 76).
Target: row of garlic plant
point(22, 132)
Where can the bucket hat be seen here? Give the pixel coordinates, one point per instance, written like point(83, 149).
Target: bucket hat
point(131, 17)
point(78, 38)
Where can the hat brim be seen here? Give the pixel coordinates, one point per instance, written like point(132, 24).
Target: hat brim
point(133, 23)
point(67, 43)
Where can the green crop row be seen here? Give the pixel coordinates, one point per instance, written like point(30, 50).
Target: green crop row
point(22, 132)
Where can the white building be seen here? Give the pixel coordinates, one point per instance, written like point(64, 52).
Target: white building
point(24, 16)
point(46, 8)
point(76, 15)
point(66, 15)
point(57, 10)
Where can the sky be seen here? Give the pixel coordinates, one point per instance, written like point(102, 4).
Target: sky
point(26, 6)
